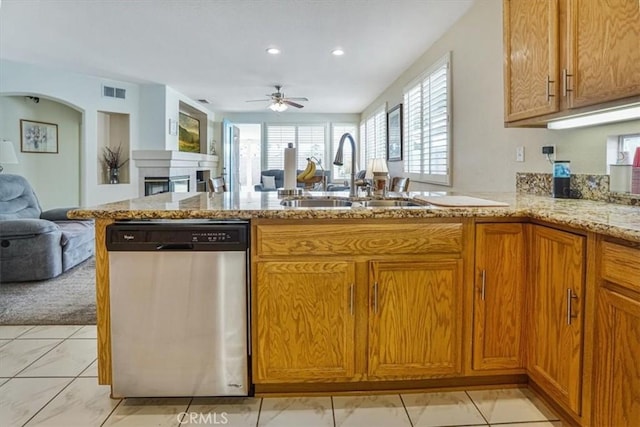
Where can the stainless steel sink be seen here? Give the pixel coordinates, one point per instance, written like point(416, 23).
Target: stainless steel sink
point(388, 203)
point(316, 203)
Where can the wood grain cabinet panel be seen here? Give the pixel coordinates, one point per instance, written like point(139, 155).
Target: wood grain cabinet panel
point(305, 321)
point(621, 265)
point(604, 51)
point(530, 58)
point(499, 296)
point(415, 319)
point(557, 306)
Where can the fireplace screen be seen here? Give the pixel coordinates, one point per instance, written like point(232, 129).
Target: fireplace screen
point(174, 184)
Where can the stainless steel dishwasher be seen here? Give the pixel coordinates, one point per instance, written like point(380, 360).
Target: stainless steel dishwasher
point(179, 308)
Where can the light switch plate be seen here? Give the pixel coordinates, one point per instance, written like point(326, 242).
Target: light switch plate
point(519, 154)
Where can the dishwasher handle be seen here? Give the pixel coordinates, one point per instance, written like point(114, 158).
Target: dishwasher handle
point(175, 247)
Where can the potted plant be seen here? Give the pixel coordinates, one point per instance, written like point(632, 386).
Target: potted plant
point(113, 160)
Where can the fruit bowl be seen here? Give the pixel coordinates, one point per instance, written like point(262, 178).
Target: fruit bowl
point(308, 183)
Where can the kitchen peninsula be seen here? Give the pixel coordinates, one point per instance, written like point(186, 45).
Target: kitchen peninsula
point(412, 298)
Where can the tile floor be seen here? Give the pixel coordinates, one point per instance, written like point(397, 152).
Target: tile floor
point(48, 378)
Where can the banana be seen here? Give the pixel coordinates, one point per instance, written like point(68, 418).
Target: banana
point(301, 176)
point(312, 172)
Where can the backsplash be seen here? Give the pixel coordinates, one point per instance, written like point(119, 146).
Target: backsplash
point(583, 186)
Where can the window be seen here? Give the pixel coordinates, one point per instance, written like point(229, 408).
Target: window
point(340, 173)
point(373, 136)
point(308, 139)
point(427, 125)
point(628, 144)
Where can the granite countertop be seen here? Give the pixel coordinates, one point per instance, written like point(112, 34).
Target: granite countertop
point(610, 219)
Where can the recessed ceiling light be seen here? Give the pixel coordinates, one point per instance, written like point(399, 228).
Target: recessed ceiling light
point(273, 51)
point(337, 52)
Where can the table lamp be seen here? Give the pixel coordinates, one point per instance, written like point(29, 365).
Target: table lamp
point(377, 171)
point(7, 154)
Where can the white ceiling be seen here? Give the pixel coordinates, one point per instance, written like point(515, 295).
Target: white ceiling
point(215, 49)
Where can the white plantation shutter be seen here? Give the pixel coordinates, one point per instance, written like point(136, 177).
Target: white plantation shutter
point(311, 142)
point(278, 138)
point(375, 136)
point(427, 125)
point(341, 173)
point(362, 152)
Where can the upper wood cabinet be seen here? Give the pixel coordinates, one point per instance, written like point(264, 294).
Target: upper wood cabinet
point(556, 310)
point(498, 300)
point(306, 321)
point(530, 58)
point(569, 56)
point(415, 319)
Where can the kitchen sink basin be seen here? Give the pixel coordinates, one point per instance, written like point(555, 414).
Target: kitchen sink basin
point(316, 203)
point(388, 203)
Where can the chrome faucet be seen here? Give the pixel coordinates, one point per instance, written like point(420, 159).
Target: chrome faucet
point(338, 161)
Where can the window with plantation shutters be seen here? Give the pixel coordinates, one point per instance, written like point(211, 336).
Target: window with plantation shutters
point(427, 125)
point(341, 173)
point(310, 140)
point(373, 136)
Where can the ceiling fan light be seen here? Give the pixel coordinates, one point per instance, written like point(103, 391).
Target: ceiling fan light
point(278, 107)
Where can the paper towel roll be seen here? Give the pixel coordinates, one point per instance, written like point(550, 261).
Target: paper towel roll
point(290, 168)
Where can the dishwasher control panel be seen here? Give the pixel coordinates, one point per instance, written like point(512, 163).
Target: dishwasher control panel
point(143, 236)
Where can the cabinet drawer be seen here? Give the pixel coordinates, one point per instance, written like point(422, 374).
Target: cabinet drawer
point(621, 265)
point(361, 239)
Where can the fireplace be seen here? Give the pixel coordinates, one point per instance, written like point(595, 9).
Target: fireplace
point(174, 184)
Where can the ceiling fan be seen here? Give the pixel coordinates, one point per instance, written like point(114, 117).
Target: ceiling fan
point(279, 102)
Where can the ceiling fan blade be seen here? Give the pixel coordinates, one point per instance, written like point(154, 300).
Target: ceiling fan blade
point(258, 100)
point(293, 104)
point(298, 99)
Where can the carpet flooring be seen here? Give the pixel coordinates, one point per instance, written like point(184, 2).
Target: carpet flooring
point(69, 299)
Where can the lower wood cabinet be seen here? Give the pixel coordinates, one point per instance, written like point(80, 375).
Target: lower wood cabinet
point(556, 309)
point(415, 319)
point(498, 298)
point(616, 382)
point(305, 321)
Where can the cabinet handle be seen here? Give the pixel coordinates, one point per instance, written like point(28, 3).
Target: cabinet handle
point(484, 280)
point(565, 82)
point(351, 299)
point(570, 296)
point(549, 94)
point(375, 297)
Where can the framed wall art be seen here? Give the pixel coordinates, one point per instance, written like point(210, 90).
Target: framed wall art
point(38, 137)
point(394, 134)
point(188, 133)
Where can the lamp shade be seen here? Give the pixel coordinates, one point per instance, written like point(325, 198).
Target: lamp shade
point(7, 153)
point(379, 166)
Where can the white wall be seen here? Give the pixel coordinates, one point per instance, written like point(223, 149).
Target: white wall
point(55, 177)
point(483, 149)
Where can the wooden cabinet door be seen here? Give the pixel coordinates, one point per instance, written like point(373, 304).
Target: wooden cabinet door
point(415, 319)
point(616, 361)
point(531, 58)
point(603, 51)
point(305, 321)
point(498, 296)
point(555, 356)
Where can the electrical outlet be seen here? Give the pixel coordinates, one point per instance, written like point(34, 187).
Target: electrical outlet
point(549, 151)
point(519, 154)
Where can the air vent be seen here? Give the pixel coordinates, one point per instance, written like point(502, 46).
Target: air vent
point(114, 92)
point(204, 101)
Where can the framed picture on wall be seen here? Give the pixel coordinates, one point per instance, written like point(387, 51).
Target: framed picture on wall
point(394, 134)
point(188, 134)
point(38, 137)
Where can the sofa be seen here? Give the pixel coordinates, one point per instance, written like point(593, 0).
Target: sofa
point(37, 245)
point(278, 174)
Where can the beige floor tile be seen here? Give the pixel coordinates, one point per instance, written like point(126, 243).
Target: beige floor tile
point(91, 371)
point(442, 409)
point(2, 381)
point(66, 360)
point(231, 412)
point(296, 412)
point(3, 342)
point(511, 405)
point(148, 412)
point(22, 398)
point(50, 331)
point(369, 411)
point(83, 403)
point(11, 332)
point(18, 354)
point(86, 332)
point(534, 424)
